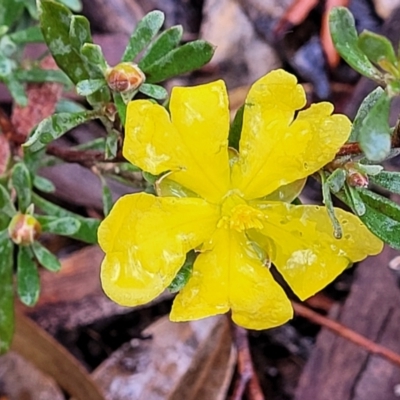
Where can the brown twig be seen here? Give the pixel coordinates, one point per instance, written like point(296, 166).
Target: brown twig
point(247, 379)
point(346, 333)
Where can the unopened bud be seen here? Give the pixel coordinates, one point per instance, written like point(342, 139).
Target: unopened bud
point(124, 77)
point(357, 179)
point(24, 229)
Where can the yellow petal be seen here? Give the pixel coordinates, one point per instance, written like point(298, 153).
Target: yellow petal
point(300, 242)
point(274, 150)
point(146, 239)
point(229, 275)
point(192, 144)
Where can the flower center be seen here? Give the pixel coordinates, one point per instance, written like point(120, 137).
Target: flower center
point(238, 215)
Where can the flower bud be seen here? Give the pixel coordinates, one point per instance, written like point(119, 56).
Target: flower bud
point(24, 229)
point(124, 77)
point(357, 179)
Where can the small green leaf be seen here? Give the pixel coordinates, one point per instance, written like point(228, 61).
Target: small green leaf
point(145, 31)
point(21, 181)
point(41, 75)
point(380, 203)
point(89, 86)
point(17, 90)
point(374, 133)
point(161, 46)
point(45, 257)
point(155, 91)
point(33, 34)
point(95, 144)
point(28, 283)
point(370, 170)
point(6, 204)
point(388, 180)
point(183, 274)
point(6, 292)
point(43, 184)
point(376, 47)
point(88, 228)
point(6, 66)
point(55, 20)
point(121, 107)
point(55, 126)
point(236, 128)
point(363, 111)
point(344, 36)
point(186, 58)
point(336, 180)
point(69, 106)
point(64, 226)
point(111, 144)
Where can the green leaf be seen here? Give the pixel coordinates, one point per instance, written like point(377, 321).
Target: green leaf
point(388, 180)
point(145, 31)
point(89, 86)
point(10, 11)
point(69, 106)
point(155, 91)
point(43, 184)
point(17, 90)
point(186, 58)
point(33, 34)
point(95, 144)
point(363, 111)
point(6, 66)
point(6, 204)
point(344, 36)
point(6, 293)
point(28, 283)
point(55, 20)
point(55, 126)
point(21, 181)
point(236, 128)
point(376, 47)
point(64, 226)
point(380, 203)
point(161, 46)
point(41, 75)
point(88, 228)
point(374, 133)
point(121, 107)
point(79, 31)
point(183, 274)
point(45, 257)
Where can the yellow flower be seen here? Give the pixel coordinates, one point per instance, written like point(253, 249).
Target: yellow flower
point(232, 208)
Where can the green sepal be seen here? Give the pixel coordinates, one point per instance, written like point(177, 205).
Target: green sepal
point(45, 258)
point(186, 58)
point(88, 226)
point(21, 181)
point(64, 226)
point(121, 107)
point(183, 274)
point(336, 180)
point(374, 133)
point(388, 180)
point(55, 126)
point(155, 91)
point(145, 31)
point(355, 201)
point(363, 111)
point(161, 46)
point(236, 128)
point(376, 47)
point(6, 292)
point(344, 36)
point(28, 282)
point(6, 204)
